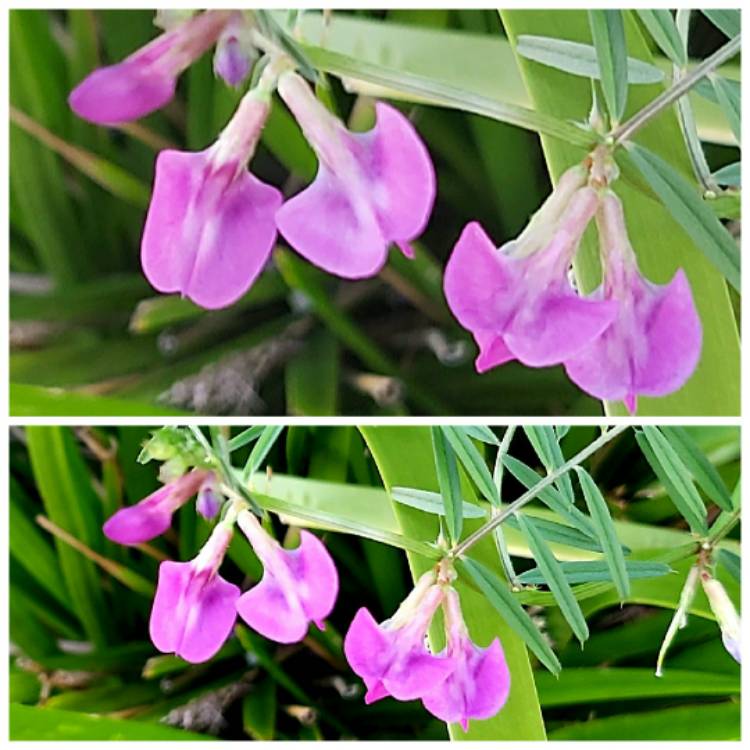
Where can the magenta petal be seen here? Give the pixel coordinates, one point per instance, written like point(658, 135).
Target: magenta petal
point(365, 645)
point(401, 173)
point(323, 225)
point(492, 351)
point(315, 576)
point(139, 523)
point(651, 349)
point(193, 612)
point(477, 688)
point(416, 675)
point(267, 609)
point(120, 93)
point(558, 326)
point(479, 282)
point(209, 230)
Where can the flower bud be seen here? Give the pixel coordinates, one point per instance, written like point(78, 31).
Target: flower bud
point(235, 54)
point(725, 613)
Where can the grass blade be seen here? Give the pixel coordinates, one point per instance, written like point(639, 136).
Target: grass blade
point(472, 461)
point(608, 34)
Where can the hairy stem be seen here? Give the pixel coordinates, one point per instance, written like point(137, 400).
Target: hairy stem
point(529, 495)
point(680, 88)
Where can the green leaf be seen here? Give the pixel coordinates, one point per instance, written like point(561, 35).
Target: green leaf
point(432, 502)
point(732, 563)
point(481, 433)
point(730, 175)
point(312, 377)
point(605, 531)
point(442, 94)
point(713, 721)
point(447, 474)
point(549, 496)
point(730, 101)
point(260, 450)
point(559, 533)
point(472, 461)
point(700, 468)
point(728, 21)
point(579, 59)
point(259, 710)
point(661, 26)
point(553, 574)
point(547, 446)
point(30, 723)
point(245, 437)
point(586, 686)
point(608, 35)
point(672, 473)
point(512, 612)
point(587, 571)
point(689, 211)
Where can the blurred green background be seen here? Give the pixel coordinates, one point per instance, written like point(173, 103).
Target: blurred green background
point(81, 665)
point(88, 335)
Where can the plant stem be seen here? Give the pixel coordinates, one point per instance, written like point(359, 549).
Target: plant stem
point(529, 495)
point(502, 547)
point(672, 94)
point(717, 534)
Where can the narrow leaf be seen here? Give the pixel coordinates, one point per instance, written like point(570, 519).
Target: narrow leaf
point(472, 461)
point(549, 495)
point(726, 20)
point(589, 571)
point(729, 175)
point(511, 611)
point(605, 531)
point(608, 35)
point(261, 449)
point(663, 461)
point(700, 468)
point(729, 97)
point(480, 432)
point(547, 447)
point(579, 59)
point(432, 502)
point(560, 533)
point(661, 26)
point(449, 483)
point(245, 437)
point(688, 209)
point(553, 574)
point(732, 563)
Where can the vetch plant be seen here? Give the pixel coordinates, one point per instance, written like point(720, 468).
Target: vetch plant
point(511, 568)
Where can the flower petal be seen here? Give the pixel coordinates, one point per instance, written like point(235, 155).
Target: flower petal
point(493, 351)
point(315, 576)
point(399, 169)
point(139, 523)
point(193, 613)
point(333, 228)
point(208, 232)
point(365, 646)
point(557, 326)
point(120, 93)
point(416, 673)
point(480, 283)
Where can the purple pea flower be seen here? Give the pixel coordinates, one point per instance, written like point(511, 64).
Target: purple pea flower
point(298, 585)
point(479, 684)
point(235, 54)
point(392, 657)
point(371, 188)
point(517, 300)
point(208, 502)
point(152, 516)
point(210, 227)
point(194, 609)
point(726, 615)
point(654, 344)
point(145, 80)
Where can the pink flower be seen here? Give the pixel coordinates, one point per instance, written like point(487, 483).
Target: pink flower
point(194, 609)
point(298, 585)
point(518, 301)
point(654, 344)
point(208, 502)
point(371, 189)
point(479, 684)
point(392, 658)
point(210, 226)
point(145, 80)
point(153, 515)
point(235, 54)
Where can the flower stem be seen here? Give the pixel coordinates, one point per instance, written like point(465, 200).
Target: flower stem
point(463, 547)
point(672, 94)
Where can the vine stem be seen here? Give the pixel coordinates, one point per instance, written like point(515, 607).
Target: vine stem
point(672, 94)
point(529, 495)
